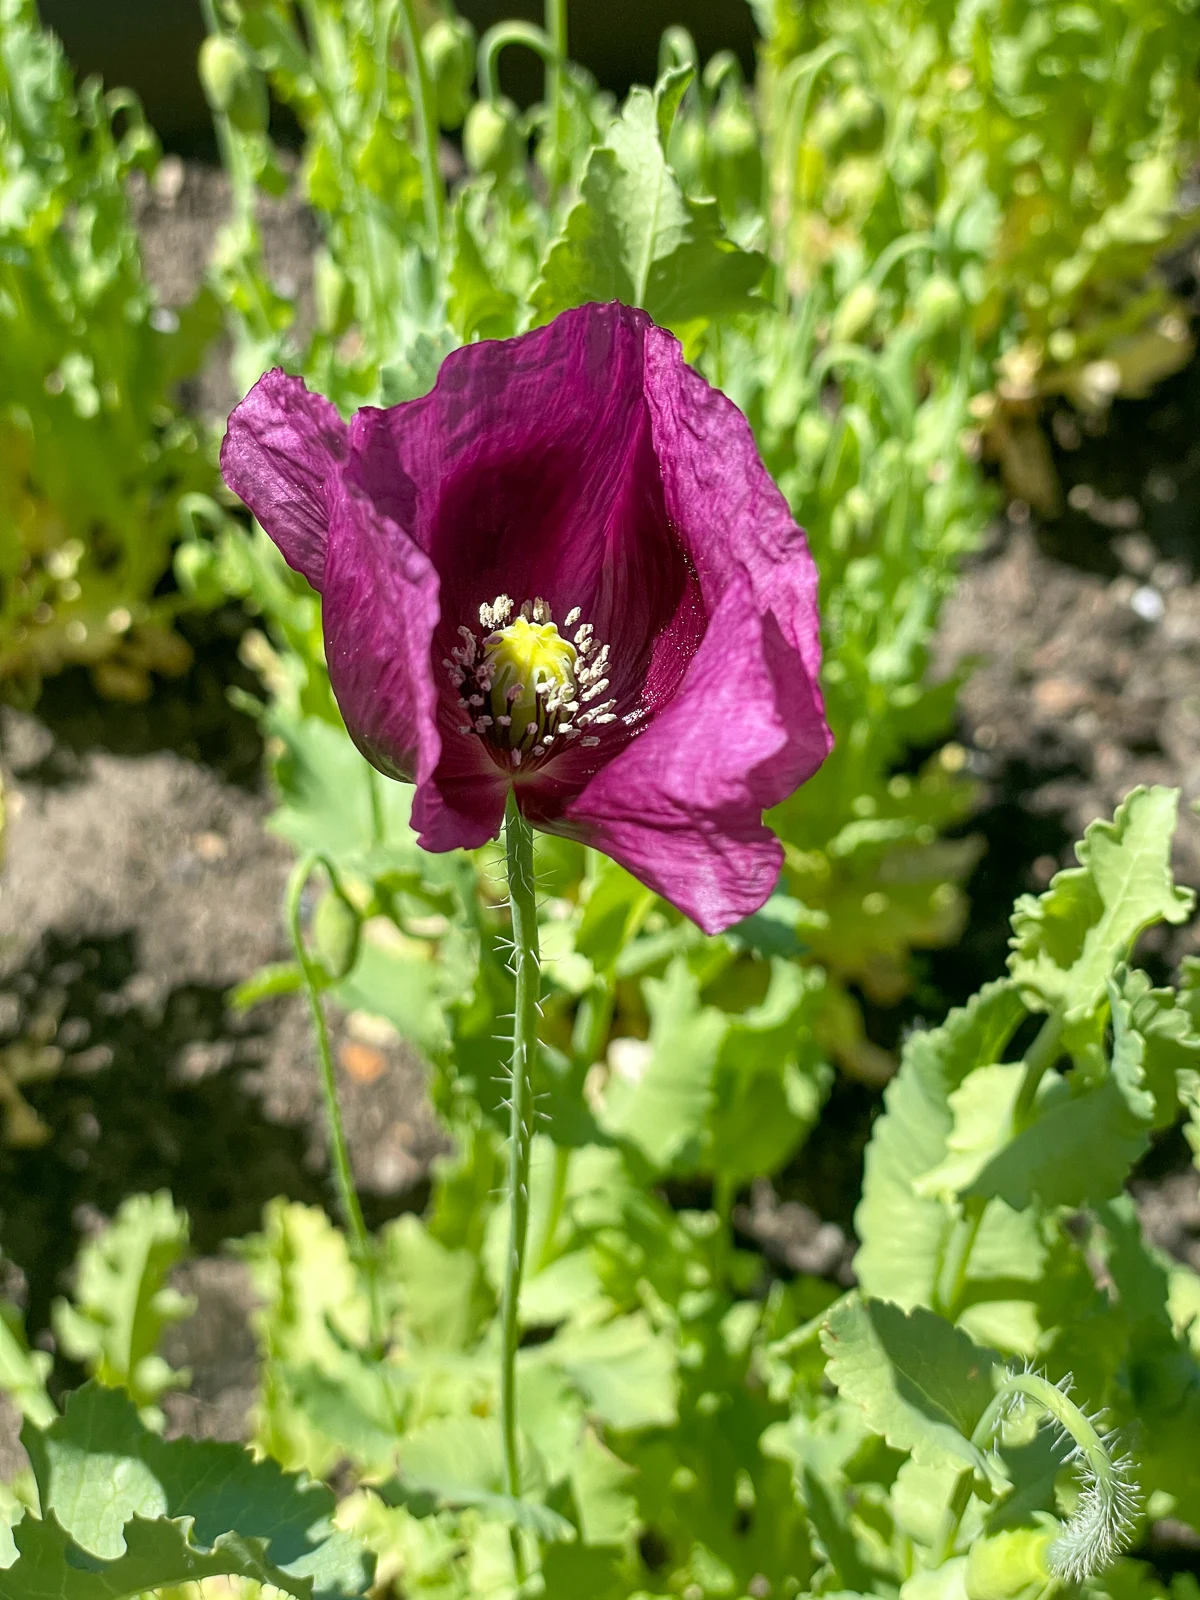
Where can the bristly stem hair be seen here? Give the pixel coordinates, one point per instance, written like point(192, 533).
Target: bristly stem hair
point(1104, 1520)
point(527, 972)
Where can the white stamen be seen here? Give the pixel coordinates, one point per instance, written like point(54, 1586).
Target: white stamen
point(590, 742)
point(504, 722)
point(593, 689)
point(572, 617)
point(465, 727)
point(516, 758)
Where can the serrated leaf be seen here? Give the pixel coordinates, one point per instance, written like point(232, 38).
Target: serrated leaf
point(1067, 943)
point(922, 1383)
point(904, 1232)
point(122, 1300)
point(661, 1104)
point(634, 236)
point(1080, 1145)
point(124, 1511)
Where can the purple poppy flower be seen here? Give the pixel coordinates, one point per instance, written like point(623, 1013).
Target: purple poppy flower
point(566, 573)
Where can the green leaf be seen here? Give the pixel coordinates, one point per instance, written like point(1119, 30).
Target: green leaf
point(125, 1511)
point(1081, 1143)
point(459, 1461)
point(623, 1369)
point(1067, 943)
point(921, 1383)
point(23, 1372)
point(615, 908)
point(123, 1301)
point(771, 1077)
point(634, 235)
point(478, 306)
point(660, 1101)
point(903, 1231)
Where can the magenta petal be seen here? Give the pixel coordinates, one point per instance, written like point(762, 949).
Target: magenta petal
point(380, 610)
point(681, 806)
point(281, 455)
point(678, 806)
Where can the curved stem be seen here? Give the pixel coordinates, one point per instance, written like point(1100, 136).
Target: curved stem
point(425, 115)
point(527, 972)
point(556, 28)
point(361, 1247)
point(496, 38)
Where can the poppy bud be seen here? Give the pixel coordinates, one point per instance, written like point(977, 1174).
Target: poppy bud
point(939, 304)
point(492, 140)
point(232, 83)
point(335, 928)
point(813, 433)
point(448, 46)
point(853, 316)
point(1009, 1564)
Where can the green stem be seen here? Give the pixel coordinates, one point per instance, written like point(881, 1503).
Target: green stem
point(378, 820)
point(361, 1247)
point(1041, 1055)
point(499, 38)
point(425, 116)
point(956, 1507)
point(527, 971)
point(556, 27)
point(953, 1277)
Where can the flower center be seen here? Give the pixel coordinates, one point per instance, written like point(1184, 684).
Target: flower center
point(526, 690)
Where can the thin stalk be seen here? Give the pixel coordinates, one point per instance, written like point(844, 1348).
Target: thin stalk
point(1041, 1055)
point(956, 1506)
point(556, 27)
point(361, 1247)
point(425, 116)
point(527, 972)
point(953, 1277)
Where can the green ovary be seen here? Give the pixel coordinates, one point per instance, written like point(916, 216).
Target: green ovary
point(532, 671)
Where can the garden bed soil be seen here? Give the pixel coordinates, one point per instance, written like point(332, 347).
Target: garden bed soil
point(140, 884)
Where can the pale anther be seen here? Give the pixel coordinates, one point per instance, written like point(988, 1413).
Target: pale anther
point(572, 617)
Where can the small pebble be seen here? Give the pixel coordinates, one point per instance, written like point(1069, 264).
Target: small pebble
point(1148, 603)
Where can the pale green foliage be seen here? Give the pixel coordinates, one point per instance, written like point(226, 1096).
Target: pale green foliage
point(122, 1301)
point(636, 236)
point(99, 468)
point(123, 1511)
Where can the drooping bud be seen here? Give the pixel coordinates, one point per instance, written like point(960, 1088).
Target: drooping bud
point(448, 46)
point(336, 927)
point(232, 83)
point(492, 139)
point(853, 317)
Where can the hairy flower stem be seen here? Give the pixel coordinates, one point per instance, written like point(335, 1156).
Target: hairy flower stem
point(425, 116)
point(361, 1247)
point(1103, 1522)
point(527, 972)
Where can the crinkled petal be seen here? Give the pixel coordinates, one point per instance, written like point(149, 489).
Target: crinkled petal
point(529, 470)
point(380, 610)
point(680, 805)
point(281, 455)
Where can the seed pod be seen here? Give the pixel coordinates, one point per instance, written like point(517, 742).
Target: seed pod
point(1009, 1564)
point(492, 138)
point(336, 927)
point(233, 84)
point(448, 46)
